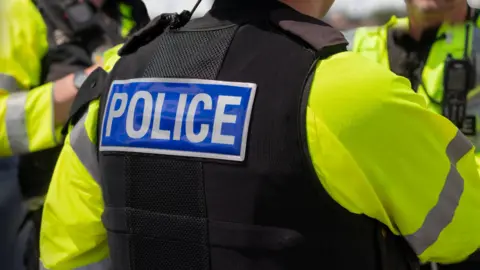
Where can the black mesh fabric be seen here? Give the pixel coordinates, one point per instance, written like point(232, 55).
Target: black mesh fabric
point(200, 56)
point(172, 187)
point(155, 183)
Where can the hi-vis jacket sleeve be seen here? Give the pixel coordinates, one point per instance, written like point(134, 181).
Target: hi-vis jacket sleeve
point(26, 117)
point(72, 234)
point(379, 151)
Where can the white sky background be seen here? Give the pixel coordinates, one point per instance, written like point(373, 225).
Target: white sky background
point(354, 8)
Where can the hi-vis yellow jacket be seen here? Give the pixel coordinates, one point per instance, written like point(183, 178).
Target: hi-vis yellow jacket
point(26, 117)
point(417, 177)
point(372, 43)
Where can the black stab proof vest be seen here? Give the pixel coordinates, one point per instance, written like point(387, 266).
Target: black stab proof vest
point(269, 212)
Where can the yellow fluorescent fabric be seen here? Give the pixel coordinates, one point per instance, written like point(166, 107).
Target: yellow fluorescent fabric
point(39, 108)
point(127, 22)
point(72, 232)
point(26, 118)
point(111, 57)
point(380, 152)
point(23, 41)
point(27, 121)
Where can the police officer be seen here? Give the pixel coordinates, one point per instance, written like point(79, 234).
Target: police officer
point(249, 139)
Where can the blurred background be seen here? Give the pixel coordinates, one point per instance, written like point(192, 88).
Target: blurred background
point(345, 14)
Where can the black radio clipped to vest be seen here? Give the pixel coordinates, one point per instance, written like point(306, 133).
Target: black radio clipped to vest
point(458, 80)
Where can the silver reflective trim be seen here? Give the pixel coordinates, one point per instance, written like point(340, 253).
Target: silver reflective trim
point(86, 150)
point(101, 265)
point(441, 215)
point(15, 120)
point(350, 37)
point(54, 134)
point(8, 83)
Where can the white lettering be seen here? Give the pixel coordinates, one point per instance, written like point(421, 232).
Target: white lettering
point(146, 116)
point(177, 131)
point(221, 118)
point(112, 113)
point(207, 105)
point(158, 133)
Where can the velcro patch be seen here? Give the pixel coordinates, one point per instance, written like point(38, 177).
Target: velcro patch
point(179, 117)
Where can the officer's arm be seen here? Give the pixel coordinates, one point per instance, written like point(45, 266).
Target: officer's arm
point(72, 232)
point(378, 151)
point(29, 120)
point(22, 45)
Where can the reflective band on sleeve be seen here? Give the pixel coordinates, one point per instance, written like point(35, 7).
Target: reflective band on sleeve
point(350, 37)
point(16, 123)
point(101, 265)
point(8, 83)
point(84, 148)
point(441, 215)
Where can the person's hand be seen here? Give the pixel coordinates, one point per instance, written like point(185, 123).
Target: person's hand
point(64, 92)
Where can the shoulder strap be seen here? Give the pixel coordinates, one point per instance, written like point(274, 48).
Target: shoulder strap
point(318, 35)
point(153, 29)
point(91, 89)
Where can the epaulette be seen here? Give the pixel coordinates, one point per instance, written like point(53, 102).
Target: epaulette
point(91, 89)
point(153, 29)
point(320, 36)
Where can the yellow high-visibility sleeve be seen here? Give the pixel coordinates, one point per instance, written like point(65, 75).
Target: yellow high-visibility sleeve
point(26, 117)
point(379, 151)
point(27, 121)
point(350, 37)
point(72, 232)
point(23, 42)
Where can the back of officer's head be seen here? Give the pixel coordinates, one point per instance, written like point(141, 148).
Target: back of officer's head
point(314, 8)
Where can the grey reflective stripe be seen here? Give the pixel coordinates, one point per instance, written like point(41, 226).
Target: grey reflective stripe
point(15, 120)
point(8, 83)
point(86, 150)
point(54, 134)
point(101, 265)
point(442, 213)
point(350, 37)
